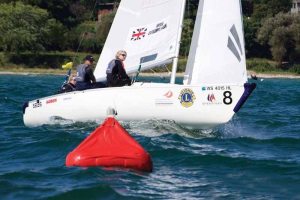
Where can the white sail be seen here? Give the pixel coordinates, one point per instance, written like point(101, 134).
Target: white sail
point(147, 30)
point(217, 53)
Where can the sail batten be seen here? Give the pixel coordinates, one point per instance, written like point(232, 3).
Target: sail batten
point(142, 28)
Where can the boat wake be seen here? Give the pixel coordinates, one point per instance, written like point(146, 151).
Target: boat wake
point(155, 128)
point(60, 121)
point(235, 128)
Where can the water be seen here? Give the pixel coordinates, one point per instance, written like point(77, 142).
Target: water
point(254, 156)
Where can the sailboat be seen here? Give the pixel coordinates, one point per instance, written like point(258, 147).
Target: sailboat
point(215, 80)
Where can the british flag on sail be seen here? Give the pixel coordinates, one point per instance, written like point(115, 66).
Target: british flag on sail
point(138, 34)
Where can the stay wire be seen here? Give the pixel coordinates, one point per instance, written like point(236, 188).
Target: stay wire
point(84, 33)
point(80, 42)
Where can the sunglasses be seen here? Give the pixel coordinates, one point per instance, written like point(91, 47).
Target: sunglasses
point(123, 55)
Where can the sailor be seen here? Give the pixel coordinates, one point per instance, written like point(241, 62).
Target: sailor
point(85, 78)
point(115, 73)
point(253, 76)
point(70, 86)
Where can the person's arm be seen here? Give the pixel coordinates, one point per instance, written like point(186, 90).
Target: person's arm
point(122, 72)
point(125, 78)
point(90, 74)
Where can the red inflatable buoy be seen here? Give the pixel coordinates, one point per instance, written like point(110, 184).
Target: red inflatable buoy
point(110, 145)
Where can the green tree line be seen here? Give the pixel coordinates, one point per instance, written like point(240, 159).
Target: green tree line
point(37, 26)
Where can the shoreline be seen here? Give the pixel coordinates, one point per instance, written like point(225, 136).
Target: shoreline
point(272, 75)
point(249, 73)
point(289, 76)
point(162, 74)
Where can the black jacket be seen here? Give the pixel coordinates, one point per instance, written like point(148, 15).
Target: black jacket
point(116, 75)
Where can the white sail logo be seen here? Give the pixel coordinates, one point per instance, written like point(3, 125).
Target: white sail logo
point(235, 47)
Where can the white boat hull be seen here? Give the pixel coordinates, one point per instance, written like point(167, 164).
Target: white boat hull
point(191, 106)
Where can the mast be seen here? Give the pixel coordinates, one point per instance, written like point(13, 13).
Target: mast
point(175, 60)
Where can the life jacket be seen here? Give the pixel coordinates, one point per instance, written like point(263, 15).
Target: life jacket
point(114, 77)
point(110, 66)
point(81, 72)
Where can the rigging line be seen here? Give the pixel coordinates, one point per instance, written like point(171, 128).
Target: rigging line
point(83, 34)
point(188, 27)
point(161, 76)
point(80, 42)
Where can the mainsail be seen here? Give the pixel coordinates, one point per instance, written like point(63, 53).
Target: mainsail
point(217, 53)
point(148, 30)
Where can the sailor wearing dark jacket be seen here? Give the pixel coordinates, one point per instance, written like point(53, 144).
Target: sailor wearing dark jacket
point(115, 73)
point(70, 86)
point(85, 76)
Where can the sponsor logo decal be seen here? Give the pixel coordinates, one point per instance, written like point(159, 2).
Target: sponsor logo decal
point(67, 98)
point(51, 101)
point(166, 100)
point(211, 98)
point(37, 104)
point(187, 97)
point(169, 94)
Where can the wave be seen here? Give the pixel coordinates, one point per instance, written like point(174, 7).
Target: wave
point(94, 192)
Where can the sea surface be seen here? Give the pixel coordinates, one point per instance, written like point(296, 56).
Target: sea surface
point(254, 156)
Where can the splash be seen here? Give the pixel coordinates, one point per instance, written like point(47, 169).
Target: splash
point(156, 128)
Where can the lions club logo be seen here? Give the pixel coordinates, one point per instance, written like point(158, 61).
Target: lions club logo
point(187, 97)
